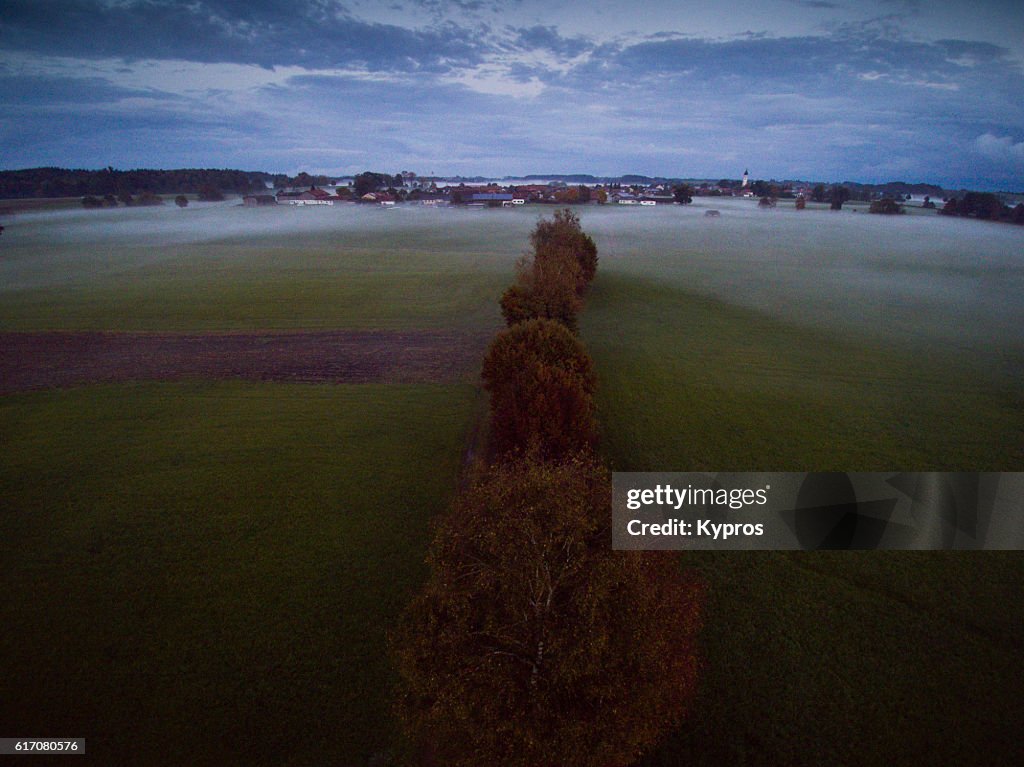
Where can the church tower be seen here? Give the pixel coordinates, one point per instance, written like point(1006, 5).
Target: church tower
point(746, 178)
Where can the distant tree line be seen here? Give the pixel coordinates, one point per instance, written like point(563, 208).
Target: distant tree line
point(983, 205)
point(533, 642)
point(61, 182)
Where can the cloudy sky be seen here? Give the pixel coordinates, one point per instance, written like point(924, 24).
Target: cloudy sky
point(872, 90)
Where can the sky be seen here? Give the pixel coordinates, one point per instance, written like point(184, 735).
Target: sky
point(824, 90)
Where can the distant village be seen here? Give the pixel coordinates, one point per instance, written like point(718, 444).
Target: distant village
point(109, 187)
point(382, 189)
point(406, 187)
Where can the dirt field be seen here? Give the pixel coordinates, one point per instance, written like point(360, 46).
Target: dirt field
point(31, 361)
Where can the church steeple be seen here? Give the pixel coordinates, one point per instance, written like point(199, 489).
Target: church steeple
point(746, 177)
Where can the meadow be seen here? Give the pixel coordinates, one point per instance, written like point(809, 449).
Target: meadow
point(222, 560)
point(205, 573)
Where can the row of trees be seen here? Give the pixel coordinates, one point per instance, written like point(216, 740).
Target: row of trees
point(983, 205)
point(552, 279)
point(62, 182)
point(532, 642)
point(208, 194)
point(144, 199)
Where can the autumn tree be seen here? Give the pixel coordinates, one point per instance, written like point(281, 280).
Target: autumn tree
point(541, 382)
point(533, 643)
point(551, 279)
point(518, 304)
point(561, 236)
point(801, 202)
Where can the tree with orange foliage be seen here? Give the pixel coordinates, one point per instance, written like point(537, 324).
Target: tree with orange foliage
point(545, 287)
point(551, 280)
point(541, 381)
point(560, 237)
point(533, 643)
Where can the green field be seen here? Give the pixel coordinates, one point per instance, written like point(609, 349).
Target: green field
point(242, 269)
point(822, 658)
point(205, 573)
point(192, 567)
point(858, 658)
point(689, 383)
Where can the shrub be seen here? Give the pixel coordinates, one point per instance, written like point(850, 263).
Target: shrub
point(181, 201)
point(533, 642)
point(91, 202)
point(887, 207)
point(541, 383)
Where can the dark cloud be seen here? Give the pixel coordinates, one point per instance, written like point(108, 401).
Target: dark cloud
point(977, 50)
point(810, 64)
point(852, 100)
point(548, 38)
point(57, 92)
point(308, 34)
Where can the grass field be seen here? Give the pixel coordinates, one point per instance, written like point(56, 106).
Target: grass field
point(230, 268)
point(876, 658)
point(205, 573)
point(222, 560)
point(858, 658)
point(689, 383)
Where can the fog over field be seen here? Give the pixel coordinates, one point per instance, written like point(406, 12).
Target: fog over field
point(907, 278)
point(200, 528)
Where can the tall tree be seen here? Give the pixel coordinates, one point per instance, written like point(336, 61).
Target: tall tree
point(562, 237)
point(533, 643)
point(837, 196)
point(683, 194)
